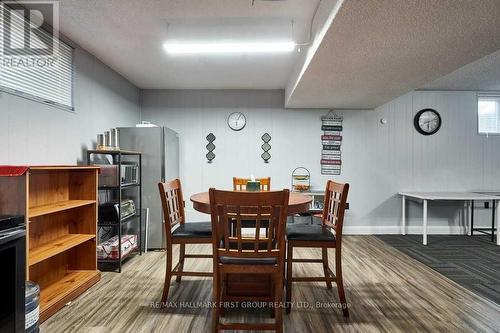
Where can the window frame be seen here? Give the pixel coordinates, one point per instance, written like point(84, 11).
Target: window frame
point(487, 94)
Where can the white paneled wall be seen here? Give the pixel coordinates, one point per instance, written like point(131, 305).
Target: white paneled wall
point(378, 160)
point(34, 133)
point(194, 114)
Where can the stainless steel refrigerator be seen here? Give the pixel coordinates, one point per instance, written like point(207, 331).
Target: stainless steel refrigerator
point(160, 161)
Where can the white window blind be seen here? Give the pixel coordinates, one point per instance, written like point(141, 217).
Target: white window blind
point(46, 78)
point(488, 113)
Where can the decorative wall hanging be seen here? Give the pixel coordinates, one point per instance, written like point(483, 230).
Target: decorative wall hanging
point(331, 140)
point(210, 147)
point(266, 147)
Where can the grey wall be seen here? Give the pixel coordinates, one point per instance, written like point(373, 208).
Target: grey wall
point(34, 133)
point(378, 160)
point(381, 160)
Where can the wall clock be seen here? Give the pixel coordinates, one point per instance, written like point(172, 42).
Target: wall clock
point(236, 121)
point(427, 121)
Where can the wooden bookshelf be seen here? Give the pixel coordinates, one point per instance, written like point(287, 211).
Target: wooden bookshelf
point(60, 203)
point(59, 245)
point(58, 206)
point(72, 284)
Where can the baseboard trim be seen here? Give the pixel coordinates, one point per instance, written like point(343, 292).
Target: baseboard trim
point(397, 230)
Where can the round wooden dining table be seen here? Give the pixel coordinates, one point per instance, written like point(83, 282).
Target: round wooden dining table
point(297, 203)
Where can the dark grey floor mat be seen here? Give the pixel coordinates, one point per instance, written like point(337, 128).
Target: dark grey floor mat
point(472, 262)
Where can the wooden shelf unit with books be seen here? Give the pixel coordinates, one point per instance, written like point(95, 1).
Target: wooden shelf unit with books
point(60, 205)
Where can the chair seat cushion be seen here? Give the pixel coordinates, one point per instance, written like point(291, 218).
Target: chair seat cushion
point(253, 223)
point(247, 261)
point(193, 229)
point(249, 246)
point(309, 232)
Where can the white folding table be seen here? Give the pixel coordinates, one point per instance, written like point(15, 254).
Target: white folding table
point(467, 197)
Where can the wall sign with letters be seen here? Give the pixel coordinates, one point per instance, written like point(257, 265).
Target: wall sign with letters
point(331, 141)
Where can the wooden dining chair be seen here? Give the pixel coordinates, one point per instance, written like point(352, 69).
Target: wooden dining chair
point(325, 236)
point(240, 184)
point(177, 231)
point(248, 252)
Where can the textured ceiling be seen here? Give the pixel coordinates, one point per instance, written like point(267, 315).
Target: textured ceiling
point(365, 52)
point(128, 35)
point(375, 51)
point(483, 74)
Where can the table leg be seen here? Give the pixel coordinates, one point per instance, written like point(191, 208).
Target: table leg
point(425, 223)
point(493, 220)
point(498, 223)
point(469, 226)
point(403, 213)
point(472, 217)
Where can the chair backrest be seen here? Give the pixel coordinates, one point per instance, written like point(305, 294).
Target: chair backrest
point(240, 184)
point(172, 203)
point(267, 209)
point(334, 206)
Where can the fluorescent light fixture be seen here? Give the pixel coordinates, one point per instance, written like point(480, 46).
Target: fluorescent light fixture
point(228, 47)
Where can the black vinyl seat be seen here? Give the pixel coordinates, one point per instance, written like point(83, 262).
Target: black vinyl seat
point(253, 223)
point(248, 246)
point(309, 232)
point(247, 261)
point(193, 229)
point(264, 224)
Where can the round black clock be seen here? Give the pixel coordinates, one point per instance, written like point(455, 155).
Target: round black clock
point(427, 121)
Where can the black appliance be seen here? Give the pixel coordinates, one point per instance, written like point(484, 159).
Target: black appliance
point(13, 259)
point(109, 211)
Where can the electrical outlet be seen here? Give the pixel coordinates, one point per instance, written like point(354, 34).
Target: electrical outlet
point(346, 205)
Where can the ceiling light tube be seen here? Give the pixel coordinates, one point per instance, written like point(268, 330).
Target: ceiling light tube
point(228, 47)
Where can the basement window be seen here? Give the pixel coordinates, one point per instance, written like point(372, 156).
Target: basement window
point(37, 66)
point(488, 113)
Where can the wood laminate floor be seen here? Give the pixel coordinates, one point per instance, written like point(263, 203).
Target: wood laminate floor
point(387, 291)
